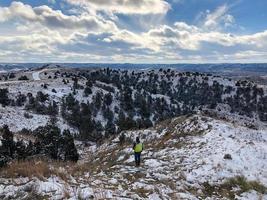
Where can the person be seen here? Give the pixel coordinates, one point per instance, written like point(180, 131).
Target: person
point(138, 148)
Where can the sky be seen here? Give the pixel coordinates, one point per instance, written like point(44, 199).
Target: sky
point(133, 31)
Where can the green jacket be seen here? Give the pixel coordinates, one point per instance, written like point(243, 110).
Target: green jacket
point(138, 148)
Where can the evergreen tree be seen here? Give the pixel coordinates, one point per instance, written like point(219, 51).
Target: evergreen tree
point(41, 97)
point(87, 91)
point(108, 99)
point(7, 141)
point(4, 100)
point(20, 99)
point(70, 151)
point(21, 150)
point(126, 99)
point(110, 128)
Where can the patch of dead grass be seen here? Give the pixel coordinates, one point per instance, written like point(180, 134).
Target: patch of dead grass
point(34, 168)
point(232, 187)
point(43, 169)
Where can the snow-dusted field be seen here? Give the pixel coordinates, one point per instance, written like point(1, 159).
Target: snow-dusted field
point(181, 159)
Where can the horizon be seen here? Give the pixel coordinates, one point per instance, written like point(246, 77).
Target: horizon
point(148, 63)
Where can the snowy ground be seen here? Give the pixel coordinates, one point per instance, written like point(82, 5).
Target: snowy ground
point(14, 116)
point(183, 159)
point(36, 76)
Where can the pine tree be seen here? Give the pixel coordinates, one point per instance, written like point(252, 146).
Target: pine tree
point(21, 150)
point(7, 141)
point(108, 99)
point(4, 100)
point(87, 91)
point(110, 128)
point(41, 97)
point(70, 151)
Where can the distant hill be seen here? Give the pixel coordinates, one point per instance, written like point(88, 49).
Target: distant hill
point(235, 68)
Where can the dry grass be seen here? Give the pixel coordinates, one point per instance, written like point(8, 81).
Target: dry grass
point(239, 183)
point(42, 169)
point(175, 130)
point(34, 168)
point(105, 159)
point(66, 194)
point(134, 177)
point(142, 192)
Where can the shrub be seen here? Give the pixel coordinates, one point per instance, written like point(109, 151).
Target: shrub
point(28, 116)
point(227, 156)
point(122, 138)
point(23, 78)
point(87, 91)
point(12, 75)
point(4, 100)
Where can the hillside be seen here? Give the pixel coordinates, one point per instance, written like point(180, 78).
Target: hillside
point(189, 157)
point(68, 133)
point(100, 102)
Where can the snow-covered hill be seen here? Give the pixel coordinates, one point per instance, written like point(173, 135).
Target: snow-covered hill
point(189, 157)
point(207, 137)
point(115, 100)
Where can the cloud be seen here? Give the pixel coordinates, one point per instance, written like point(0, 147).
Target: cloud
point(44, 34)
point(219, 17)
point(17, 9)
point(140, 7)
point(50, 18)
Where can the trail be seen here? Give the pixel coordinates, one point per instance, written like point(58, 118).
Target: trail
point(9, 82)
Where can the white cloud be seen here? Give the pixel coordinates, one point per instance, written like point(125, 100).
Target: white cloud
point(229, 20)
point(185, 27)
point(44, 34)
point(219, 17)
point(17, 9)
point(142, 7)
point(48, 17)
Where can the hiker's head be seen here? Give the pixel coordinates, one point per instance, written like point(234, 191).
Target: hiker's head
point(137, 140)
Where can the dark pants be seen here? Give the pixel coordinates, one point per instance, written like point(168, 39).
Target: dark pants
point(137, 157)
